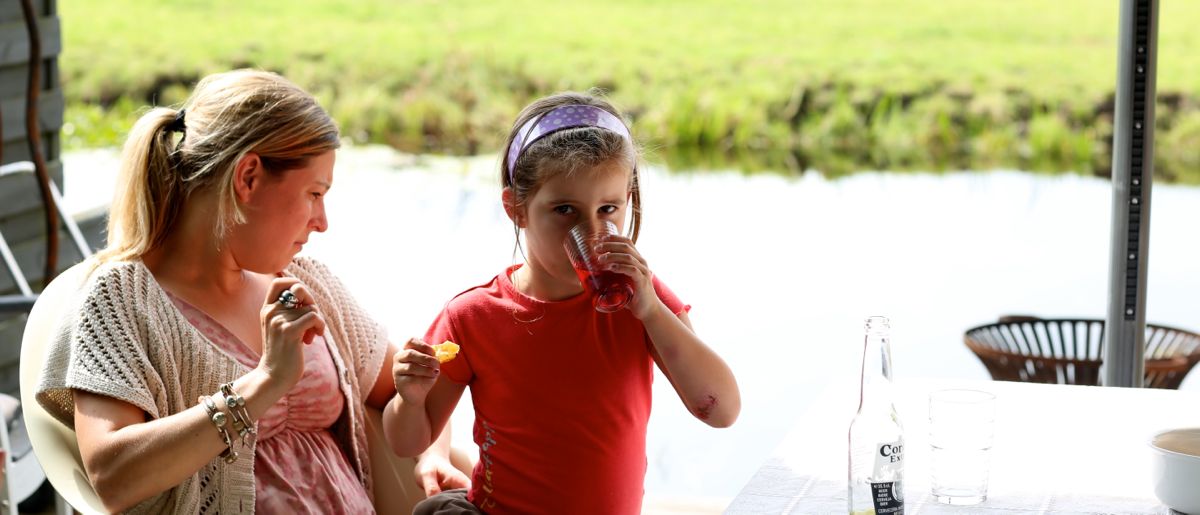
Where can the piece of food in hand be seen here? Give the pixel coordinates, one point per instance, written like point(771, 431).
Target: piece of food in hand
point(445, 351)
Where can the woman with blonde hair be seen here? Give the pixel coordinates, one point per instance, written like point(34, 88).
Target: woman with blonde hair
point(204, 367)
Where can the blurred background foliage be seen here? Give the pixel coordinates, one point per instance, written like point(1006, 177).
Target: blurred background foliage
point(763, 85)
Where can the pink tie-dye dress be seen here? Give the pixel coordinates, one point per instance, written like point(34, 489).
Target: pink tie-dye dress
point(298, 466)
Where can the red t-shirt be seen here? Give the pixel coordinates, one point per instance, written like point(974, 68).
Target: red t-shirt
point(561, 394)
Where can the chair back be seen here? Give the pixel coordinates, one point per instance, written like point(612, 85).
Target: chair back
point(54, 444)
point(1070, 351)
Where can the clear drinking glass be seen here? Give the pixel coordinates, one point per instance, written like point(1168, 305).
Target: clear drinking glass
point(610, 290)
point(960, 436)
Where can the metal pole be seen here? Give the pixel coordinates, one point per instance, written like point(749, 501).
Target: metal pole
point(1132, 168)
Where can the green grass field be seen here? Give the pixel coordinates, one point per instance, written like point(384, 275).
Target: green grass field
point(833, 84)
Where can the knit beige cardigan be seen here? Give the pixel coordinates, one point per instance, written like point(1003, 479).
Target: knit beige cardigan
point(124, 338)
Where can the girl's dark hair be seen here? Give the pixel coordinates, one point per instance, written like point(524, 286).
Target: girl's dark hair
point(569, 150)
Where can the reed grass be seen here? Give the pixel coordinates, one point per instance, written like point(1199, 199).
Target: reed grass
point(784, 85)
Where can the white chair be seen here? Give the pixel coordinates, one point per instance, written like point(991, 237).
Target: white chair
point(54, 443)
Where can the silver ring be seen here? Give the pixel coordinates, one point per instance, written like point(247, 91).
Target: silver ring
point(288, 300)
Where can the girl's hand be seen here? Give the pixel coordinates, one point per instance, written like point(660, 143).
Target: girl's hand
point(414, 370)
point(283, 331)
point(435, 473)
point(617, 253)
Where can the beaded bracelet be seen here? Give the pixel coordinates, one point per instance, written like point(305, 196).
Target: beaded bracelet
point(218, 419)
point(242, 422)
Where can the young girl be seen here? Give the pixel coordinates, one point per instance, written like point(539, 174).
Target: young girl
point(561, 391)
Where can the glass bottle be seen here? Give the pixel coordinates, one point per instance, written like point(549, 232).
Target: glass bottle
point(876, 464)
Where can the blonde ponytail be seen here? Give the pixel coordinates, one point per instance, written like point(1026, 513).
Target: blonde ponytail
point(228, 115)
point(148, 190)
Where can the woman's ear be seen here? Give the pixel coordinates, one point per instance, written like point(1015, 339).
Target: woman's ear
point(248, 176)
point(515, 213)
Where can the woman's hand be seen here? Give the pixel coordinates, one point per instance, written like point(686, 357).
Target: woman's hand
point(414, 370)
point(617, 253)
point(284, 330)
point(435, 473)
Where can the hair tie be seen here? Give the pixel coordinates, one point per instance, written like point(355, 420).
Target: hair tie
point(557, 119)
point(178, 124)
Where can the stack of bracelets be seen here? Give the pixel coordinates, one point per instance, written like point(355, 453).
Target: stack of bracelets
point(238, 415)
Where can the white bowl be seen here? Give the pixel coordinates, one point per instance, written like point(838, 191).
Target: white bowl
point(1177, 469)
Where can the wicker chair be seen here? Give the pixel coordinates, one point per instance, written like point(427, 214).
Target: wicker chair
point(1070, 351)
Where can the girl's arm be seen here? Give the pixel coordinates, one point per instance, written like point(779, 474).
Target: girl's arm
point(703, 381)
point(421, 410)
point(434, 469)
point(700, 377)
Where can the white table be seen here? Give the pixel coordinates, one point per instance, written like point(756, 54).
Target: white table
point(1058, 449)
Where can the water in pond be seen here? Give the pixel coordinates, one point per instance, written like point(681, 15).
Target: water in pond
point(780, 271)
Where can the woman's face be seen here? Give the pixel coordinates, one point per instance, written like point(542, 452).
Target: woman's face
point(599, 193)
point(281, 211)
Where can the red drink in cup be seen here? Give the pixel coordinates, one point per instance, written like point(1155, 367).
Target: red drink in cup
point(610, 290)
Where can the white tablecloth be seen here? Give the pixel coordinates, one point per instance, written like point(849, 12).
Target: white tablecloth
point(1058, 449)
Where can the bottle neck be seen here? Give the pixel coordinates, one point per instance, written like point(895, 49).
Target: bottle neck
point(876, 382)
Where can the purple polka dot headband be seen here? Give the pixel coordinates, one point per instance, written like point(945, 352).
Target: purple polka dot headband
point(560, 118)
